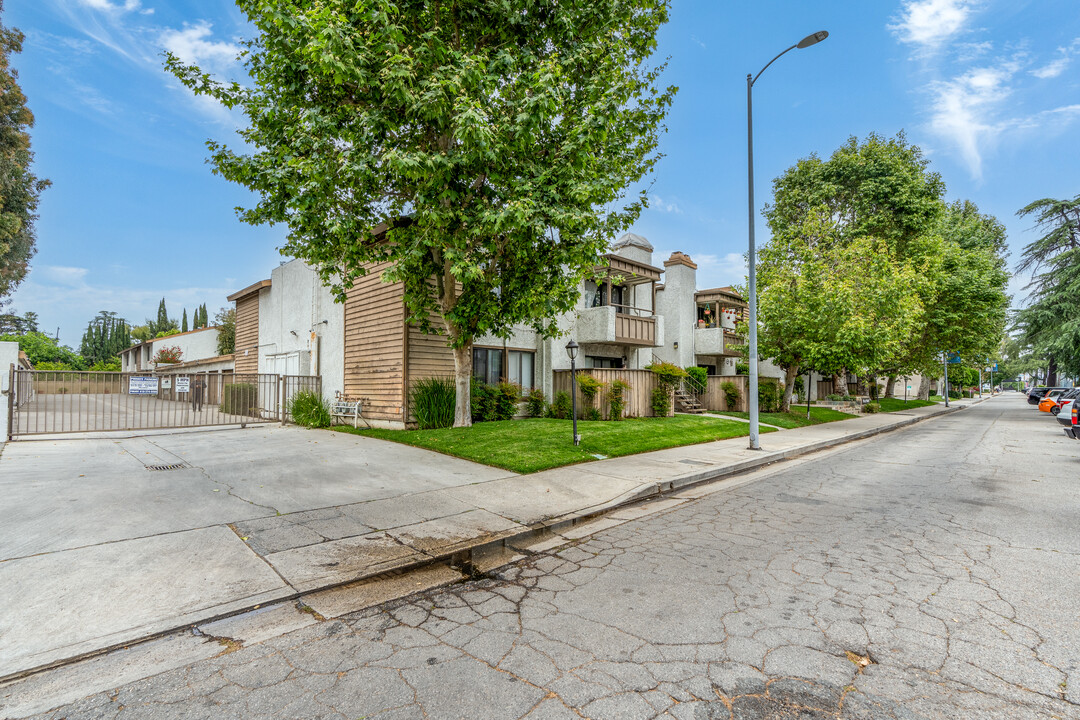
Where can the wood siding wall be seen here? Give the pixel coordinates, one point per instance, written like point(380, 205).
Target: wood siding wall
point(375, 346)
point(638, 397)
point(429, 356)
point(713, 398)
point(247, 334)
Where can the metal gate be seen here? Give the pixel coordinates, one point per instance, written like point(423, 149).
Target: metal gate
point(72, 401)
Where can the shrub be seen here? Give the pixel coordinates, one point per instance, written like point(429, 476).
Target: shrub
point(560, 406)
point(308, 408)
point(484, 404)
point(835, 397)
point(954, 394)
point(49, 365)
point(731, 394)
point(110, 365)
point(590, 387)
point(661, 401)
point(592, 413)
point(617, 398)
point(668, 376)
point(434, 400)
point(697, 379)
point(742, 368)
point(168, 355)
point(769, 396)
point(800, 388)
point(240, 399)
point(507, 395)
point(536, 403)
point(871, 407)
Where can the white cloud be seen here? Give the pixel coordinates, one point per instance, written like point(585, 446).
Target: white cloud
point(929, 23)
point(193, 44)
point(658, 203)
point(1052, 69)
point(964, 107)
point(67, 276)
point(118, 7)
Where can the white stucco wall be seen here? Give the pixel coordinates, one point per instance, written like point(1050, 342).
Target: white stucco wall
point(194, 345)
point(677, 306)
point(297, 314)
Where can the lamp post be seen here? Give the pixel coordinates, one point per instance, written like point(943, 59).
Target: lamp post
point(750, 80)
point(571, 350)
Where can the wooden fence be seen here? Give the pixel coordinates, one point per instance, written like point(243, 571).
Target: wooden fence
point(713, 398)
point(638, 397)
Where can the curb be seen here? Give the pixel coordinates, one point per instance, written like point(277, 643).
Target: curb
point(462, 555)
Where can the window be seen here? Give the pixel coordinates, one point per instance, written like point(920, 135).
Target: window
point(520, 369)
point(487, 365)
point(603, 362)
point(596, 295)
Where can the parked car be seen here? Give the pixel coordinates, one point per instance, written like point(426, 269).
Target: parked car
point(1036, 394)
point(1073, 428)
point(1053, 400)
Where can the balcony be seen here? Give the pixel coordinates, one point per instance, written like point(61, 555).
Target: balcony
point(618, 325)
point(715, 341)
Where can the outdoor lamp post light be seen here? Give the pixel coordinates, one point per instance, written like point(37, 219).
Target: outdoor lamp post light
point(571, 350)
point(750, 80)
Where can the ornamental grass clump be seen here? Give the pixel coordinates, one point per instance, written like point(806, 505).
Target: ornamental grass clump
point(310, 409)
point(433, 402)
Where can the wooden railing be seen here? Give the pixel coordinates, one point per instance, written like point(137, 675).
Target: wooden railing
point(635, 330)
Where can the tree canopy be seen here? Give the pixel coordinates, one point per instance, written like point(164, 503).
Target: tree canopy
point(869, 271)
point(40, 348)
point(21, 189)
point(492, 142)
point(105, 338)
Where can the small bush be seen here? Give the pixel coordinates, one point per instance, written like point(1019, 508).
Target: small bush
point(661, 401)
point(667, 374)
point(434, 400)
point(835, 397)
point(507, 395)
point(484, 404)
point(871, 407)
point(560, 406)
point(309, 409)
point(590, 387)
point(168, 355)
point(617, 398)
point(731, 394)
point(770, 396)
point(697, 379)
point(240, 399)
point(954, 394)
point(592, 413)
point(536, 403)
point(742, 368)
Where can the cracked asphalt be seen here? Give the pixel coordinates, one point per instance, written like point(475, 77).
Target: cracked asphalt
point(926, 573)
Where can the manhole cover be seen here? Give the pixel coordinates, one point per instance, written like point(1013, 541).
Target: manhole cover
point(174, 466)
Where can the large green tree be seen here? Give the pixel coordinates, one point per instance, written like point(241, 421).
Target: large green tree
point(40, 348)
point(20, 189)
point(492, 140)
point(106, 336)
point(1049, 323)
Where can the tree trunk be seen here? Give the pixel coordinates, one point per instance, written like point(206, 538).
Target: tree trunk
point(924, 388)
point(889, 386)
point(790, 375)
point(1051, 373)
point(839, 384)
point(463, 385)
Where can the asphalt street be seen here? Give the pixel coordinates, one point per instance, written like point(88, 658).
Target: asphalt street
point(930, 572)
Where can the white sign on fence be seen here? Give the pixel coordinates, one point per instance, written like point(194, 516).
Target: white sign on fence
point(142, 386)
point(182, 384)
point(166, 383)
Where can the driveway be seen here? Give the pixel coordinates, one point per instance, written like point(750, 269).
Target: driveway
point(98, 546)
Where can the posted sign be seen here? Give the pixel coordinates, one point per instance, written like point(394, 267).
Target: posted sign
point(142, 386)
point(182, 384)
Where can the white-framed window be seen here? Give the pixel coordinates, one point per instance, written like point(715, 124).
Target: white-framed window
point(520, 368)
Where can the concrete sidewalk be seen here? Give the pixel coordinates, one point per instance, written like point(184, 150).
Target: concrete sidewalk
point(64, 606)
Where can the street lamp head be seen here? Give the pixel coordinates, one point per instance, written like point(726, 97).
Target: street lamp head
point(571, 349)
point(812, 39)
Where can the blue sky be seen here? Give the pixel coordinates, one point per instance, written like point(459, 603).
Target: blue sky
point(990, 90)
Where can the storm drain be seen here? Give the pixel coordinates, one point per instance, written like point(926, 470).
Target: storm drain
point(174, 466)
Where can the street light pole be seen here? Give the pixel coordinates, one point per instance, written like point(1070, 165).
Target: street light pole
point(752, 264)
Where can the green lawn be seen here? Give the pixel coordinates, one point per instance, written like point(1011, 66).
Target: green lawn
point(797, 417)
point(894, 404)
point(526, 446)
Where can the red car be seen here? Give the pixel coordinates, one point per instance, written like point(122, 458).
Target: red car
point(1073, 428)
